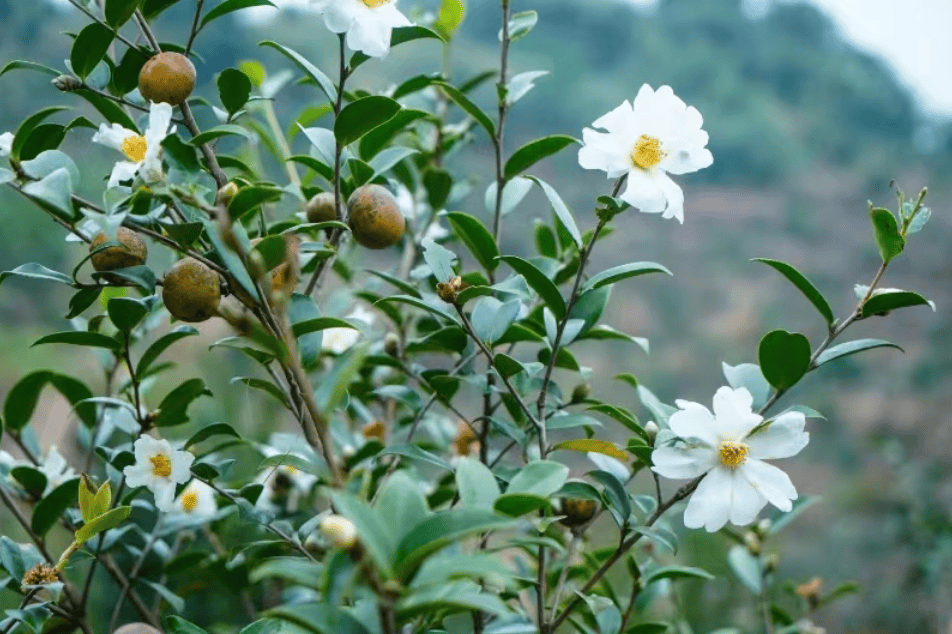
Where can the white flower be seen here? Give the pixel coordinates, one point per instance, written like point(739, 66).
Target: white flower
point(160, 468)
point(340, 340)
point(56, 469)
point(284, 485)
point(339, 531)
point(728, 448)
point(197, 500)
point(368, 23)
point(656, 136)
point(6, 144)
point(143, 152)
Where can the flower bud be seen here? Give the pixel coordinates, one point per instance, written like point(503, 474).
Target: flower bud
point(67, 83)
point(375, 429)
point(391, 344)
point(752, 541)
point(771, 562)
point(762, 527)
point(449, 290)
point(339, 531)
point(226, 193)
point(652, 428)
point(136, 628)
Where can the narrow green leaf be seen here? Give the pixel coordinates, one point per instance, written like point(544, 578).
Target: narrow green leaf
point(232, 5)
point(469, 108)
point(312, 71)
point(539, 282)
point(804, 285)
point(89, 47)
point(890, 241)
point(118, 12)
point(560, 208)
point(622, 272)
point(476, 237)
point(883, 302)
point(81, 338)
point(534, 151)
point(852, 347)
point(101, 524)
point(154, 351)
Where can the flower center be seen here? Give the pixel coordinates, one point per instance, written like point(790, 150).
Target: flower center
point(647, 152)
point(732, 454)
point(375, 4)
point(134, 147)
point(161, 466)
point(189, 501)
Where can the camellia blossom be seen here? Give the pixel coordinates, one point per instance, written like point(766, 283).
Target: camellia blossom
point(197, 500)
point(283, 485)
point(56, 469)
point(159, 468)
point(367, 23)
point(656, 136)
point(6, 144)
point(339, 531)
point(728, 448)
point(143, 152)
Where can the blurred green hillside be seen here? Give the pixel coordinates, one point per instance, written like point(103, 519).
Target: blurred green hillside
point(804, 130)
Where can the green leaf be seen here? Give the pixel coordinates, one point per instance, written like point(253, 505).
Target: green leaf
point(747, 568)
point(319, 618)
point(265, 386)
point(677, 572)
point(619, 503)
point(884, 301)
point(126, 312)
point(401, 503)
point(29, 124)
point(804, 285)
point(361, 116)
point(250, 198)
point(784, 358)
point(422, 304)
point(227, 129)
point(540, 283)
point(81, 338)
point(19, 64)
point(439, 259)
point(152, 8)
point(318, 324)
point(591, 444)
point(506, 366)
point(232, 5)
point(491, 318)
point(53, 193)
point(154, 351)
point(48, 510)
point(438, 184)
point(415, 453)
point(852, 347)
point(89, 47)
point(541, 477)
point(464, 595)
point(449, 18)
point(648, 628)
point(301, 311)
point(559, 207)
point(476, 484)
point(890, 241)
point(217, 429)
point(31, 479)
point(22, 398)
point(377, 538)
point(173, 410)
point(441, 529)
point(469, 108)
point(39, 272)
point(520, 24)
point(534, 151)
point(234, 88)
point(176, 625)
point(118, 12)
point(399, 35)
point(101, 524)
point(624, 271)
point(230, 258)
point(140, 275)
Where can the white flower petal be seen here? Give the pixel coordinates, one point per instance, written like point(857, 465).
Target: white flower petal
point(112, 136)
point(643, 192)
point(123, 171)
point(710, 505)
point(599, 152)
point(6, 143)
point(782, 438)
point(675, 197)
point(618, 119)
point(746, 501)
point(137, 475)
point(181, 466)
point(392, 16)
point(771, 482)
point(682, 462)
point(371, 38)
point(339, 15)
point(734, 414)
point(693, 420)
point(160, 118)
point(164, 492)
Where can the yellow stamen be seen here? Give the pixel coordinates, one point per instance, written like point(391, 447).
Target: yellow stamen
point(732, 454)
point(134, 147)
point(647, 152)
point(375, 4)
point(189, 501)
point(161, 466)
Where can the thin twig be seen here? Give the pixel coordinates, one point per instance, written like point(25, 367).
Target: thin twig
point(195, 24)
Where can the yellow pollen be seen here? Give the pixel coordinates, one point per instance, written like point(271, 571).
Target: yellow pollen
point(732, 454)
point(134, 147)
point(291, 470)
point(647, 152)
point(375, 4)
point(161, 466)
point(189, 502)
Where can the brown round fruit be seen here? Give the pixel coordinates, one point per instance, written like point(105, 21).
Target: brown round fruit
point(191, 291)
point(167, 78)
point(136, 628)
point(374, 217)
point(131, 252)
point(578, 511)
point(321, 208)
